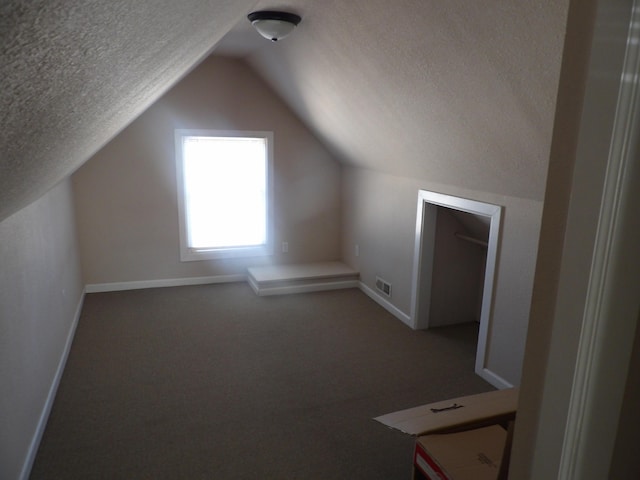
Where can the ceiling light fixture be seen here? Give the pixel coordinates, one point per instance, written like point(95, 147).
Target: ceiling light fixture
point(273, 25)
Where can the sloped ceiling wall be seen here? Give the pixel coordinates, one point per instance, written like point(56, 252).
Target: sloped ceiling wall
point(458, 92)
point(73, 74)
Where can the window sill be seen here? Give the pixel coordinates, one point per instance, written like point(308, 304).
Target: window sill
point(193, 255)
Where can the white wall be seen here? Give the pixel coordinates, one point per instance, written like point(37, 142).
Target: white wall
point(40, 291)
point(380, 216)
point(589, 87)
point(126, 200)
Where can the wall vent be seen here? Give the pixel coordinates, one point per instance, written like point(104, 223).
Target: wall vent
point(383, 286)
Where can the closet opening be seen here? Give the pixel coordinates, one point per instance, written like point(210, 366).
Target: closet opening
point(456, 251)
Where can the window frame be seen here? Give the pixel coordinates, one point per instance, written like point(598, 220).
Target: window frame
point(188, 254)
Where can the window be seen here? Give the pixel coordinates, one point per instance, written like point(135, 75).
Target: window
point(223, 193)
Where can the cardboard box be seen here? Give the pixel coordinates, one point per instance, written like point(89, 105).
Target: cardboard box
point(469, 455)
point(457, 414)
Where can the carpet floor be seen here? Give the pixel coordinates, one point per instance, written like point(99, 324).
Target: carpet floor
point(214, 382)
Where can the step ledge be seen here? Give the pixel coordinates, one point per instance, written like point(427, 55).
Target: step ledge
point(271, 273)
point(285, 279)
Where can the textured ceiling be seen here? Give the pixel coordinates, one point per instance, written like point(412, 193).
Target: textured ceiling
point(458, 92)
point(75, 73)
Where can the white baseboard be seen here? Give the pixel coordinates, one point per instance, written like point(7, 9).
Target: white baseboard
point(493, 378)
point(486, 374)
point(46, 410)
point(168, 282)
point(386, 304)
point(311, 287)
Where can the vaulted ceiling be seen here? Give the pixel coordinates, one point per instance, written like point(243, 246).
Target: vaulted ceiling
point(457, 92)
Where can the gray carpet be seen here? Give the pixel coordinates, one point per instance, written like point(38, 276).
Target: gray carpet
point(213, 382)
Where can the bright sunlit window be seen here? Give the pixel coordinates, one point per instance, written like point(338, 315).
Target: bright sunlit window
point(223, 193)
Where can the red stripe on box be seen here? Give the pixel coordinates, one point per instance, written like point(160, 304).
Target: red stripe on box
point(423, 461)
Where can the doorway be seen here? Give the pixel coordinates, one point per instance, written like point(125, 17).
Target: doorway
point(432, 278)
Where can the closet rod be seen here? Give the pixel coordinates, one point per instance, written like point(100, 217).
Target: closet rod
point(462, 236)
